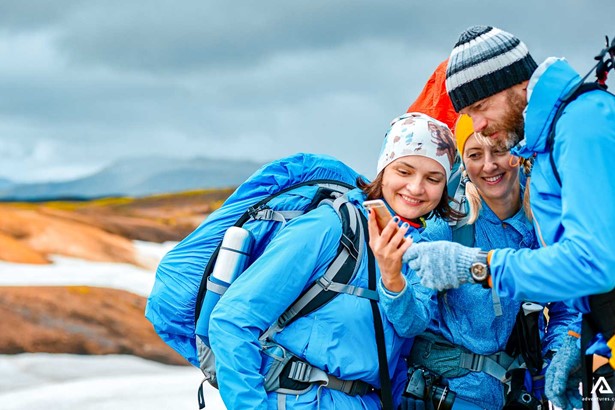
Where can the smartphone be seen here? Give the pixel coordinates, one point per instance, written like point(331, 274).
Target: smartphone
point(383, 215)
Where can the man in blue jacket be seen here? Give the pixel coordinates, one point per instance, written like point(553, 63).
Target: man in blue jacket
point(492, 77)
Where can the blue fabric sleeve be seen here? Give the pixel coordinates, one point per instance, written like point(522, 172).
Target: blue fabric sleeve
point(561, 319)
point(390, 292)
point(582, 260)
point(302, 250)
point(409, 311)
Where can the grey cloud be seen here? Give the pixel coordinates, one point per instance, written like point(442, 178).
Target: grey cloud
point(20, 16)
point(169, 37)
point(162, 36)
point(98, 80)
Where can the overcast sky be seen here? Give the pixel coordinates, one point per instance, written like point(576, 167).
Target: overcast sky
point(85, 82)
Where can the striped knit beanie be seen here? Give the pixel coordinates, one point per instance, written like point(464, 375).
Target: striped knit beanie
point(485, 61)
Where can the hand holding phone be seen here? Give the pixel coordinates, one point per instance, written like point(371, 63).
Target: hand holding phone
point(388, 248)
point(383, 215)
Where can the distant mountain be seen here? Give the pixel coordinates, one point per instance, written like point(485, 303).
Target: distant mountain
point(139, 177)
point(6, 184)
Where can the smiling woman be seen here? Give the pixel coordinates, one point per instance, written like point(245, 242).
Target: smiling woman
point(337, 341)
point(471, 319)
point(413, 186)
point(415, 162)
point(490, 170)
point(493, 173)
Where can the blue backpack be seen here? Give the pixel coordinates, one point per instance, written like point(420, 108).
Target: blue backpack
point(277, 192)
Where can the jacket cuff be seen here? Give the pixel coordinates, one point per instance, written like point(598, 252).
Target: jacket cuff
point(391, 294)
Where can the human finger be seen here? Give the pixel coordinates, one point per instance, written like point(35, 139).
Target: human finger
point(406, 244)
point(372, 228)
point(390, 229)
point(399, 238)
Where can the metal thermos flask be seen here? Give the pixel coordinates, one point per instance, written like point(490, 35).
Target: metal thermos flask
point(234, 254)
point(233, 258)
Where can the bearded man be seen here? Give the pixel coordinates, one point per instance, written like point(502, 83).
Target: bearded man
point(492, 77)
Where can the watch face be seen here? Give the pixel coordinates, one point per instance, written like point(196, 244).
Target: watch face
point(479, 271)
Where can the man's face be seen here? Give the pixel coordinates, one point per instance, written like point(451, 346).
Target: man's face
point(500, 116)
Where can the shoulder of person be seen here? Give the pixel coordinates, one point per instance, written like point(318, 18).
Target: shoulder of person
point(436, 229)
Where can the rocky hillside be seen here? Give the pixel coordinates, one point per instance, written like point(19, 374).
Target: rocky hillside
point(100, 230)
point(81, 319)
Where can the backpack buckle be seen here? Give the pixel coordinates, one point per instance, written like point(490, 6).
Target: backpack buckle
point(254, 210)
point(473, 362)
point(266, 214)
point(325, 282)
point(300, 371)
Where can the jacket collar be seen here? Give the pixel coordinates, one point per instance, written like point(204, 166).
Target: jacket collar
point(518, 222)
point(550, 84)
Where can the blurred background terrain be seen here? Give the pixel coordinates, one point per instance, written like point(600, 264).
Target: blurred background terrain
point(85, 319)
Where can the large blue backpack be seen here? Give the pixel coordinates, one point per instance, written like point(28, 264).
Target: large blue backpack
point(274, 194)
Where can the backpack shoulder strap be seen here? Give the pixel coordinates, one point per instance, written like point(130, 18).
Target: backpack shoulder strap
point(464, 235)
point(463, 232)
point(327, 188)
point(338, 275)
point(335, 280)
point(581, 89)
point(455, 180)
point(386, 389)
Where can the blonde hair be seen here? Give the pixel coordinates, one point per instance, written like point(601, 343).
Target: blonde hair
point(474, 199)
point(527, 164)
point(464, 129)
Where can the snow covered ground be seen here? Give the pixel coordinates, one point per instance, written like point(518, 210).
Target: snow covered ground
point(70, 271)
point(116, 382)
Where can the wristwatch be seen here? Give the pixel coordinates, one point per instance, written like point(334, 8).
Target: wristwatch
point(480, 269)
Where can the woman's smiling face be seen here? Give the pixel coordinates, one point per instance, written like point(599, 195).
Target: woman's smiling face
point(489, 168)
point(413, 185)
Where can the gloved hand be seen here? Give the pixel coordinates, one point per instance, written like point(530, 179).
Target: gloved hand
point(441, 264)
point(410, 403)
point(563, 376)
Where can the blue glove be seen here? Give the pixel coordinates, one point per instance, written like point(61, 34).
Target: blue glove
point(441, 264)
point(563, 376)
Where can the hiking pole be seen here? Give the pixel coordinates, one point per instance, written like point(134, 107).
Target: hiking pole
point(604, 66)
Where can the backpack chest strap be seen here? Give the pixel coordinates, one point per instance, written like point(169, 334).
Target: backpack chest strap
point(449, 360)
point(291, 375)
point(496, 365)
point(325, 283)
point(348, 289)
point(303, 372)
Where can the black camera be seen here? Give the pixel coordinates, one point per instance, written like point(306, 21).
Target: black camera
point(517, 397)
point(521, 400)
point(427, 386)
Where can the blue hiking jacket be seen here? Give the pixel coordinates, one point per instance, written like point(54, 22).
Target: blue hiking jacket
point(466, 317)
point(338, 338)
point(575, 223)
